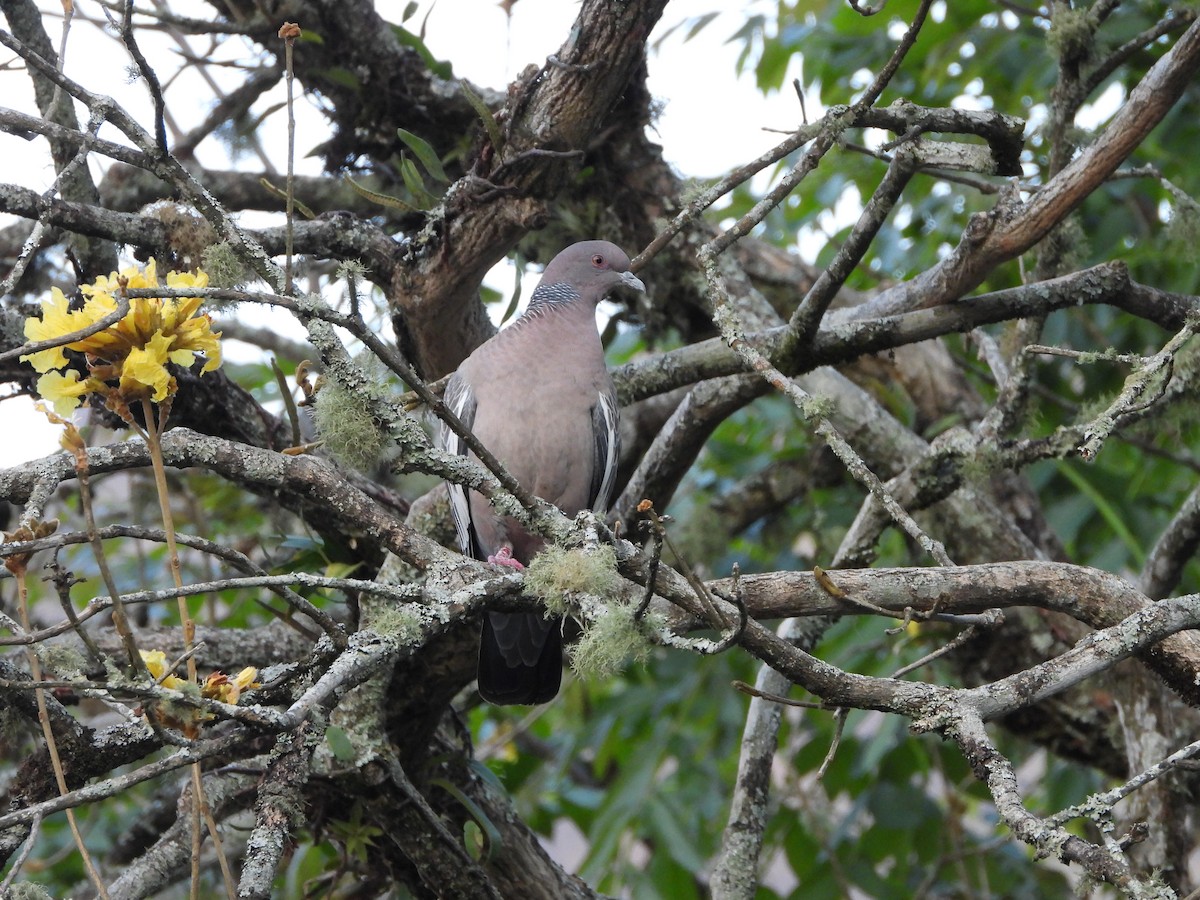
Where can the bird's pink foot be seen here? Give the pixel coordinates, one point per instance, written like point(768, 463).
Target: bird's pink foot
point(504, 557)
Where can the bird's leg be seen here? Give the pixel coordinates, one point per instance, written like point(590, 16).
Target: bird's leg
point(504, 557)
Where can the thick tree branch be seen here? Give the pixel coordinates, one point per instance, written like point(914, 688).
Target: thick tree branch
point(1013, 227)
point(559, 109)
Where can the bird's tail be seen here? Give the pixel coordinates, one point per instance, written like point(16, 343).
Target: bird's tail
point(520, 658)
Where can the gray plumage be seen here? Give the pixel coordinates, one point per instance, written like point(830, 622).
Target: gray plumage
point(538, 395)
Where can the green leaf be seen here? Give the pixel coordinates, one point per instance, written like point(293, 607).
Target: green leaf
point(341, 569)
point(1114, 519)
point(485, 115)
point(281, 194)
point(342, 77)
point(438, 67)
point(381, 199)
point(301, 542)
point(672, 831)
point(357, 837)
point(425, 153)
point(699, 24)
point(339, 744)
point(415, 183)
point(491, 832)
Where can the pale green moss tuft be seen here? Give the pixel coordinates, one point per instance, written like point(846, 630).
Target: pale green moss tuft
point(1187, 363)
point(24, 890)
point(613, 639)
point(1183, 227)
point(985, 462)
point(65, 662)
point(188, 235)
point(401, 622)
point(812, 407)
point(224, 267)
point(556, 572)
point(351, 268)
point(1071, 36)
point(349, 431)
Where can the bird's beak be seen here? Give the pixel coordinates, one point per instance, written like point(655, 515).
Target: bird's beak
point(628, 279)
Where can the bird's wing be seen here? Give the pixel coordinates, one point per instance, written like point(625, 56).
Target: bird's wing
point(460, 400)
point(606, 449)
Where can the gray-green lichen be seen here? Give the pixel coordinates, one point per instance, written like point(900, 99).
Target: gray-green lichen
point(225, 269)
point(555, 573)
point(64, 661)
point(347, 427)
point(1071, 35)
point(613, 639)
point(400, 622)
point(23, 890)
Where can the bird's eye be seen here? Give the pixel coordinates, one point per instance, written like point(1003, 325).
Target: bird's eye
point(598, 261)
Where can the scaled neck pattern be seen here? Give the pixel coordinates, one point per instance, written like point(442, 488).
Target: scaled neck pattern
point(548, 298)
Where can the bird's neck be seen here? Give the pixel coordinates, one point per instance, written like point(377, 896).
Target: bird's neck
point(554, 294)
point(560, 310)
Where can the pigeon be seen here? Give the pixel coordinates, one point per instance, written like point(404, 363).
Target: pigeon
point(538, 395)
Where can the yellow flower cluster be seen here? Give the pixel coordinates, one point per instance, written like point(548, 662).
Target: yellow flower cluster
point(156, 663)
point(217, 686)
point(132, 353)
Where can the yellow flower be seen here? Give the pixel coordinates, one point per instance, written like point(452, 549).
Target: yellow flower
point(145, 370)
point(247, 679)
point(156, 663)
point(197, 279)
point(56, 320)
point(134, 351)
point(65, 390)
point(219, 686)
point(132, 275)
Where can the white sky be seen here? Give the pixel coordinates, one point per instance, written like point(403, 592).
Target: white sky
point(694, 80)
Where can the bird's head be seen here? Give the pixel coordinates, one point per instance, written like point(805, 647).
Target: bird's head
point(593, 268)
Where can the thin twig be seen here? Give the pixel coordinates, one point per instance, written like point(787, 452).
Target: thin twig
point(60, 778)
point(152, 82)
point(997, 618)
point(63, 339)
point(731, 631)
point(886, 74)
point(279, 584)
point(752, 691)
point(401, 593)
point(26, 849)
point(101, 790)
point(120, 620)
point(655, 550)
point(1132, 398)
point(807, 317)
point(731, 330)
point(839, 725)
point(289, 32)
